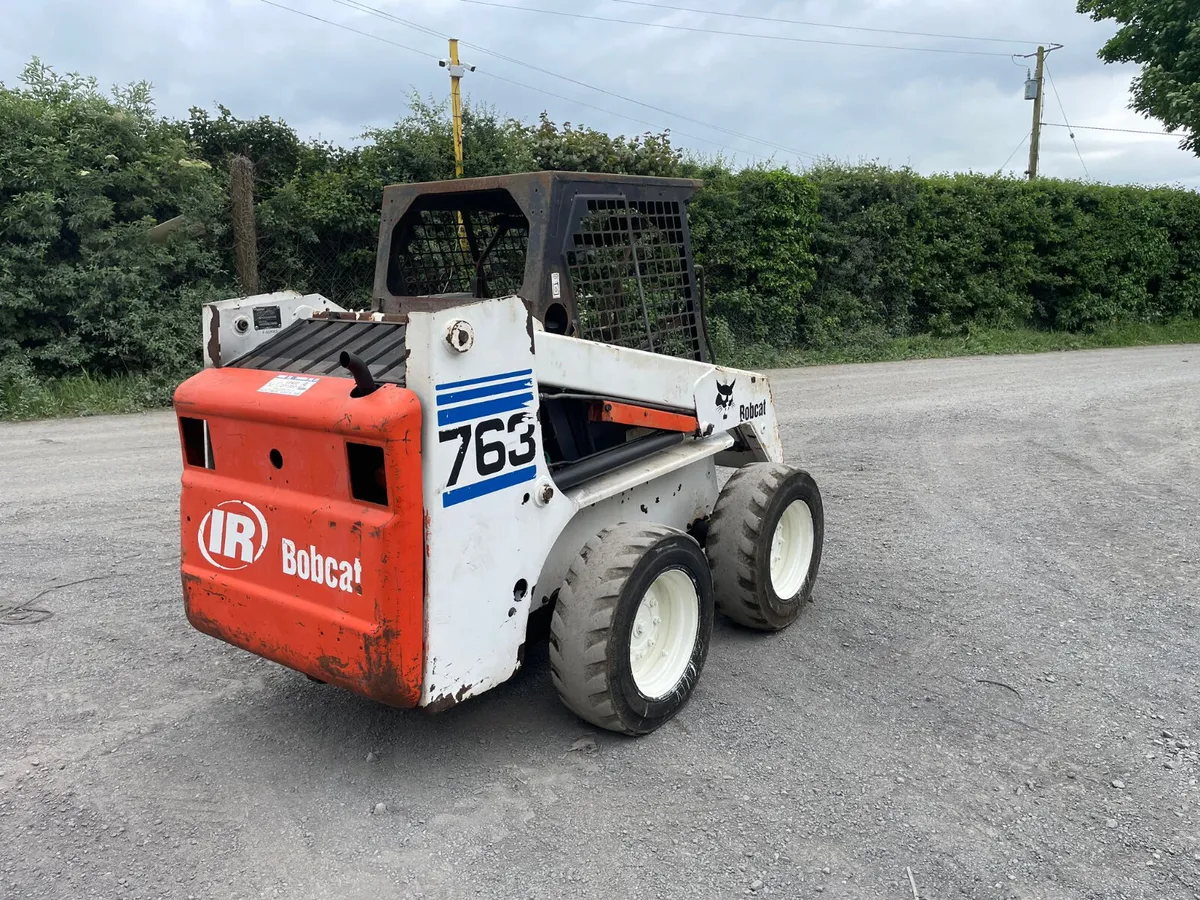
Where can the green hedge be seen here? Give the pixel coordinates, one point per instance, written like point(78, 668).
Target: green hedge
point(841, 255)
point(832, 257)
point(909, 255)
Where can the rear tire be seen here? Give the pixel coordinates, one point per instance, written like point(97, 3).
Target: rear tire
point(764, 545)
point(631, 628)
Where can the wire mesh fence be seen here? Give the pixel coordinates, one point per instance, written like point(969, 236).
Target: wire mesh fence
point(287, 262)
point(272, 246)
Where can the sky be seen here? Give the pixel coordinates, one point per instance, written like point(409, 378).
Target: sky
point(795, 93)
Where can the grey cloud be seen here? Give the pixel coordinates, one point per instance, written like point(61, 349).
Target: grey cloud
point(934, 112)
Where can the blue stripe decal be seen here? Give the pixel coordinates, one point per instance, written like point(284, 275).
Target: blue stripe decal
point(470, 381)
point(457, 414)
point(490, 390)
point(488, 486)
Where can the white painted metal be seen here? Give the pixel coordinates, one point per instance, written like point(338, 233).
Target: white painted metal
point(676, 498)
point(638, 473)
point(494, 558)
point(792, 549)
point(486, 539)
point(664, 634)
point(722, 399)
point(242, 323)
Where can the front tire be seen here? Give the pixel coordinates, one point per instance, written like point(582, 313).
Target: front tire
point(764, 545)
point(631, 628)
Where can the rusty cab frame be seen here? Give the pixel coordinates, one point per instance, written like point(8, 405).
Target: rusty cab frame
point(601, 257)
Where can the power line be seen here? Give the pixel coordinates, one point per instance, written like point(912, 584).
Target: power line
point(1016, 150)
point(677, 115)
point(1070, 130)
point(731, 15)
point(383, 14)
point(370, 10)
point(433, 56)
point(1102, 128)
point(698, 30)
point(610, 112)
point(348, 28)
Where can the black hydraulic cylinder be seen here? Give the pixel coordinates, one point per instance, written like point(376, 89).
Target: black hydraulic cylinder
point(589, 467)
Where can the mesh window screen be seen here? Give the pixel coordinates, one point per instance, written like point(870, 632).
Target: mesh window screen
point(435, 254)
point(628, 266)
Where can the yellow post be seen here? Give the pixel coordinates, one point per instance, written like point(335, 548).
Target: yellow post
point(456, 71)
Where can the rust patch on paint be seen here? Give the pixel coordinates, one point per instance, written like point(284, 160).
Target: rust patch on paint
point(446, 701)
point(214, 338)
point(332, 664)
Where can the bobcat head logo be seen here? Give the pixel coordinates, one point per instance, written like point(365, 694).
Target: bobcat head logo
point(725, 397)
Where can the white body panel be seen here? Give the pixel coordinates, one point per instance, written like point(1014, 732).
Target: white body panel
point(677, 498)
point(722, 399)
point(670, 460)
point(488, 527)
point(234, 327)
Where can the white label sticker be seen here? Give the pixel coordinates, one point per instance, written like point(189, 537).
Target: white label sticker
point(555, 286)
point(288, 385)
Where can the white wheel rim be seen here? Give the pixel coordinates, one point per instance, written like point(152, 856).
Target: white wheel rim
point(664, 634)
point(792, 550)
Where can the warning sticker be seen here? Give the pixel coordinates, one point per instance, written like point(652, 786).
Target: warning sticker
point(555, 286)
point(288, 385)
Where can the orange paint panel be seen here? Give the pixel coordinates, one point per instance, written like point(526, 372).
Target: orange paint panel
point(278, 556)
point(643, 416)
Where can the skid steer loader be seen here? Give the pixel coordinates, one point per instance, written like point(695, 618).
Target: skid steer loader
point(528, 417)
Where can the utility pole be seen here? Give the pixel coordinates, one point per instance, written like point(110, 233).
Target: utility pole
point(1035, 140)
point(457, 70)
point(1034, 90)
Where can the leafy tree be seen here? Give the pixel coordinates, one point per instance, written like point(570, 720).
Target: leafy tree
point(278, 153)
point(1159, 35)
point(577, 149)
point(83, 179)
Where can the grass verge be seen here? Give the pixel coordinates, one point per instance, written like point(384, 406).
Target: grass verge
point(23, 397)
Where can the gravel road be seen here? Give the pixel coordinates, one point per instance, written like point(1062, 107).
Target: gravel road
point(996, 686)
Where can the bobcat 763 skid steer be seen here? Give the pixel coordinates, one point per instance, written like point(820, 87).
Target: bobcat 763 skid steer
point(527, 418)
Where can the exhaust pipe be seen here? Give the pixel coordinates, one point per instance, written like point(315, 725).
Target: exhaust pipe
point(363, 382)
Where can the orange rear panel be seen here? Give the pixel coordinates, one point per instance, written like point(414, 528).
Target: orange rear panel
point(279, 557)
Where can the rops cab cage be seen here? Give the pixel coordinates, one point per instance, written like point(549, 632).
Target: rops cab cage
point(602, 257)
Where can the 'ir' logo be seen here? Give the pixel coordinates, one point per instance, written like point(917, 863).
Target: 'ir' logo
point(233, 535)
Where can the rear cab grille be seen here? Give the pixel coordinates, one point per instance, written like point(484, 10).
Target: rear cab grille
point(314, 347)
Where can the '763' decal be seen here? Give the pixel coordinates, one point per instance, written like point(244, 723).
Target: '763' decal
point(487, 426)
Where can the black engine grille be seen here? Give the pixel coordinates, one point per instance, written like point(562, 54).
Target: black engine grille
point(313, 347)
